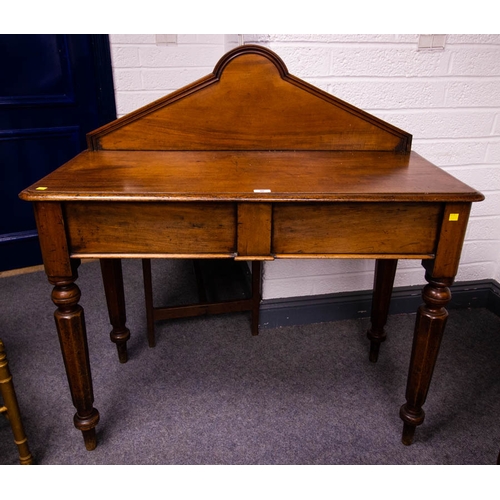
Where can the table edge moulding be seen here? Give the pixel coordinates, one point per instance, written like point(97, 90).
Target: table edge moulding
point(250, 163)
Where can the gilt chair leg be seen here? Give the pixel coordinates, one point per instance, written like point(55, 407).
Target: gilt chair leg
point(11, 409)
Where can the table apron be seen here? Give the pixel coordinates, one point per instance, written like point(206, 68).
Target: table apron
point(356, 228)
point(252, 231)
point(138, 228)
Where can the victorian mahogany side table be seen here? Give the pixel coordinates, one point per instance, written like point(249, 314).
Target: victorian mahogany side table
point(250, 163)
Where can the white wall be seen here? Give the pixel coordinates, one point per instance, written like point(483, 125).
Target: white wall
point(449, 100)
point(144, 71)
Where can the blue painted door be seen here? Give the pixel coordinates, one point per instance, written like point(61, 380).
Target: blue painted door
point(53, 90)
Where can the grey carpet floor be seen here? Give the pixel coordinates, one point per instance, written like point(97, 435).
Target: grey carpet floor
point(210, 393)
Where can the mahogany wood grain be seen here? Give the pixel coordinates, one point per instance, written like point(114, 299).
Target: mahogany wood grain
point(191, 310)
point(451, 238)
point(385, 271)
point(69, 316)
point(70, 323)
point(235, 175)
point(147, 277)
point(429, 329)
point(292, 114)
point(111, 270)
point(52, 237)
point(251, 162)
point(254, 230)
point(100, 228)
point(355, 228)
point(156, 313)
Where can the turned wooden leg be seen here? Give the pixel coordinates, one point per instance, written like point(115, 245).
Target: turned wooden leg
point(70, 324)
point(11, 409)
point(385, 271)
point(112, 278)
point(429, 328)
point(256, 294)
point(148, 295)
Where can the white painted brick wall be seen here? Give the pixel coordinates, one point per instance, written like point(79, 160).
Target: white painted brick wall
point(449, 100)
point(144, 71)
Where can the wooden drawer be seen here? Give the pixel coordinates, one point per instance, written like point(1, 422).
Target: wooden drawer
point(356, 228)
point(150, 228)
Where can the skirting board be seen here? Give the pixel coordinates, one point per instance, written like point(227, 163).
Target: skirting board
point(275, 313)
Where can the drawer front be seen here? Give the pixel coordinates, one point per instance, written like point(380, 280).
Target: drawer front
point(150, 228)
point(356, 228)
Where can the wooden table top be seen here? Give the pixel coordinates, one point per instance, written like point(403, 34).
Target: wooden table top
point(270, 176)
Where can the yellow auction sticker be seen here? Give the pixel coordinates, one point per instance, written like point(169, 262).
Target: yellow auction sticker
point(453, 217)
point(41, 188)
